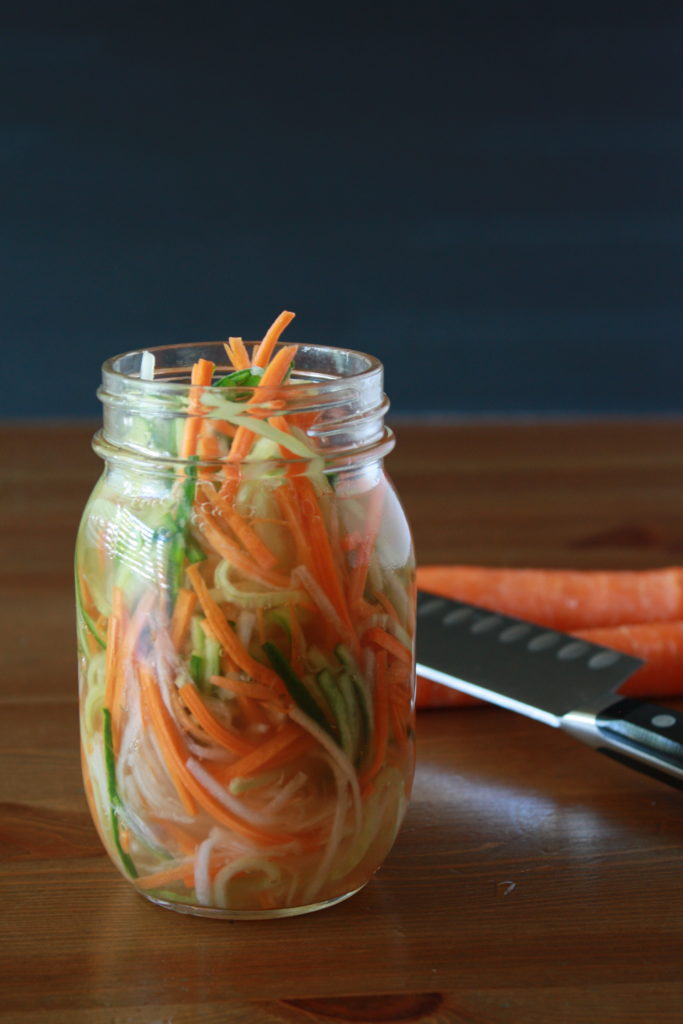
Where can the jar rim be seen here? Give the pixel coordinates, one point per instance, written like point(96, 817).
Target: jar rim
point(358, 366)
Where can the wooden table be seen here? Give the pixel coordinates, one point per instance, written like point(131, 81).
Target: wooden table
point(533, 881)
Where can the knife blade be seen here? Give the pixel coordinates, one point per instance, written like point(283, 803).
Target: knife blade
point(551, 676)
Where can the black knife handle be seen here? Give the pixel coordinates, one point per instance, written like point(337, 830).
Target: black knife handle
point(640, 735)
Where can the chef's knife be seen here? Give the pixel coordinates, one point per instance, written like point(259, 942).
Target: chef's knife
point(550, 676)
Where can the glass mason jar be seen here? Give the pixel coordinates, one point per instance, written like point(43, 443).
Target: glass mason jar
point(245, 606)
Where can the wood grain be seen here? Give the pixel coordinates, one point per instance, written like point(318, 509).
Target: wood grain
point(532, 880)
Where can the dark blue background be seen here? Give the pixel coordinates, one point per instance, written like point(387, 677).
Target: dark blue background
point(486, 195)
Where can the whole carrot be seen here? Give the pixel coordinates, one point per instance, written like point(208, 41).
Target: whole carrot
point(564, 599)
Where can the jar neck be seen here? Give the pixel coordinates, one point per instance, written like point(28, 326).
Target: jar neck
point(331, 407)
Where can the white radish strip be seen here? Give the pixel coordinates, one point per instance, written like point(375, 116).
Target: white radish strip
point(237, 807)
point(251, 598)
point(208, 753)
point(337, 755)
point(142, 830)
point(202, 882)
point(303, 576)
point(334, 838)
point(130, 734)
point(147, 365)
point(245, 627)
point(287, 791)
point(243, 864)
point(398, 595)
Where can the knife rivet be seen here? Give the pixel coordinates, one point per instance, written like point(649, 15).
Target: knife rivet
point(663, 721)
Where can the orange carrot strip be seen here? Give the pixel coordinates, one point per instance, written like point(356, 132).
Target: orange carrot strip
point(210, 724)
point(380, 637)
point(319, 541)
point(242, 688)
point(236, 352)
point(564, 599)
point(202, 372)
point(159, 878)
point(386, 604)
point(175, 756)
point(170, 742)
point(234, 554)
point(272, 376)
point(270, 338)
point(182, 616)
point(380, 703)
point(227, 637)
point(249, 538)
point(289, 512)
point(260, 758)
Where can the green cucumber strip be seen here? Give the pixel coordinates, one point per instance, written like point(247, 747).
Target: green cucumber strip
point(295, 687)
point(357, 725)
point(212, 658)
point(84, 615)
point(196, 669)
point(335, 699)
point(114, 799)
point(349, 662)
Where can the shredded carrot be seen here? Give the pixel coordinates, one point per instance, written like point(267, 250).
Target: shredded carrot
point(233, 554)
point(380, 637)
point(271, 337)
point(185, 781)
point(386, 604)
point(182, 616)
point(202, 373)
point(227, 637)
point(242, 688)
point(319, 541)
point(286, 501)
point(211, 726)
point(272, 376)
point(262, 756)
point(170, 742)
point(236, 352)
point(249, 538)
